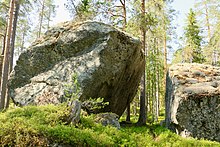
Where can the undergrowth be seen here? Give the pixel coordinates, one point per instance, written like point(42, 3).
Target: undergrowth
point(44, 126)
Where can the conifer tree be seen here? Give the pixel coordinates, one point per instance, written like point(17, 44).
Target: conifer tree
point(193, 50)
point(6, 58)
point(83, 10)
point(45, 10)
point(208, 13)
point(143, 116)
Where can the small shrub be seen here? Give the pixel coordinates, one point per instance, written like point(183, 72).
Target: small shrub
point(72, 90)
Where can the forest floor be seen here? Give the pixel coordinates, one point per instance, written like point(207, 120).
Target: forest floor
point(45, 126)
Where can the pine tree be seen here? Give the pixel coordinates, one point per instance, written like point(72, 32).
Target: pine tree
point(208, 13)
point(4, 7)
point(83, 10)
point(45, 10)
point(9, 48)
point(15, 20)
point(143, 116)
point(3, 29)
point(6, 57)
point(24, 25)
point(157, 25)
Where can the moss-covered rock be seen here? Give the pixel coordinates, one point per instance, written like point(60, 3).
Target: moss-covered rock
point(108, 64)
point(108, 119)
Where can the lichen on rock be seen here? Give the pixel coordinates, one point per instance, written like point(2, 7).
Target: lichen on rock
point(106, 119)
point(193, 100)
point(108, 63)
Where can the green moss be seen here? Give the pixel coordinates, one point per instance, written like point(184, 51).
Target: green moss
point(43, 125)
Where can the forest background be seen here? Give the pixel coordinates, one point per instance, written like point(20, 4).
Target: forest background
point(165, 40)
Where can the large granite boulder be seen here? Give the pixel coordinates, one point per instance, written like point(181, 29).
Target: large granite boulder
point(108, 64)
point(193, 100)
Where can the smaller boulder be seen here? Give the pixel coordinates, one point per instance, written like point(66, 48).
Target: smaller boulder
point(108, 119)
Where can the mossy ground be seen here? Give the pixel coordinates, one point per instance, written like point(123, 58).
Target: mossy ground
point(44, 125)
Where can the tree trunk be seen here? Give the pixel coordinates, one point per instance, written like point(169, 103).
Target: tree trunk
point(2, 57)
point(165, 60)
point(22, 44)
point(76, 10)
point(124, 14)
point(157, 84)
point(48, 19)
point(1, 63)
point(128, 118)
point(157, 98)
point(4, 41)
point(207, 20)
point(165, 56)
point(41, 19)
point(124, 28)
point(142, 115)
point(6, 57)
point(17, 6)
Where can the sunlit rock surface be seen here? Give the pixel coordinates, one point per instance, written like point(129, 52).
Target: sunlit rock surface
point(108, 64)
point(193, 100)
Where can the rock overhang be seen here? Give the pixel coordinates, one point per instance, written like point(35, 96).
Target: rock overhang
point(107, 61)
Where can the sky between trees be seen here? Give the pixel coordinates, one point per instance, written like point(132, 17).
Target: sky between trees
point(181, 6)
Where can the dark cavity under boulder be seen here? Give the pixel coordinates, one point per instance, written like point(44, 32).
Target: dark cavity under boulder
point(193, 100)
point(108, 64)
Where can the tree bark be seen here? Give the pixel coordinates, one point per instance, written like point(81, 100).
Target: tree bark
point(17, 7)
point(15, 19)
point(4, 40)
point(165, 56)
point(2, 57)
point(48, 19)
point(76, 10)
point(157, 84)
point(123, 3)
point(128, 117)
point(1, 63)
point(41, 19)
point(22, 44)
point(207, 20)
point(142, 116)
point(6, 57)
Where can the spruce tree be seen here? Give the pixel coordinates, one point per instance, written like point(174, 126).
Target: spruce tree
point(193, 50)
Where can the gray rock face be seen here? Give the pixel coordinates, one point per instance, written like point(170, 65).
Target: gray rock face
point(108, 64)
point(193, 100)
point(108, 119)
